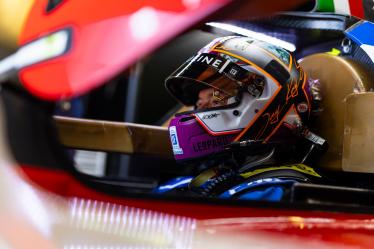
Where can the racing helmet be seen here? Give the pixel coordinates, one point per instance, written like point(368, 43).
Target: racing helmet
point(242, 90)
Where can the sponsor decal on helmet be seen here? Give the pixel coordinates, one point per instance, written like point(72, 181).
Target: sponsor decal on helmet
point(218, 63)
point(210, 144)
point(174, 141)
point(210, 60)
point(233, 71)
point(302, 107)
point(210, 116)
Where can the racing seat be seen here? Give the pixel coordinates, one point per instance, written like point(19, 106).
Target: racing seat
point(345, 119)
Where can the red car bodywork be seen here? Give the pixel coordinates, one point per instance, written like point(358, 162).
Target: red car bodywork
point(318, 229)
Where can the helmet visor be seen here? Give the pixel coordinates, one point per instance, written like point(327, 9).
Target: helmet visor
point(210, 78)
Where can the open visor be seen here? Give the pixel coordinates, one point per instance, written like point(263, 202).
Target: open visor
point(204, 71)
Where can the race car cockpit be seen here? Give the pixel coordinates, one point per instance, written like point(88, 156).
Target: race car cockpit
point(248, 112)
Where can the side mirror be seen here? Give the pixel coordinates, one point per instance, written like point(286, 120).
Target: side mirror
point(44, 48)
